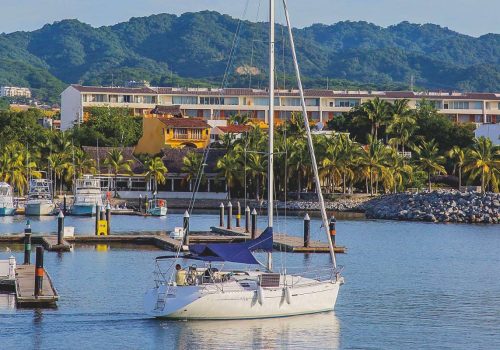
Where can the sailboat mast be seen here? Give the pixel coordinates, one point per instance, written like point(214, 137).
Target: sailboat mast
point(309, 137)
point(270, 165)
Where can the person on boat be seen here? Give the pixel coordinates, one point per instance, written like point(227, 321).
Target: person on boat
point(180, 275)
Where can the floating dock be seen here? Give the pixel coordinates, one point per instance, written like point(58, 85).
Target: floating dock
point(282, 241)
point(25, 288)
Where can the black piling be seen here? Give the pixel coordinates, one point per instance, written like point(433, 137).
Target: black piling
point(247, 219)
point(333, 231)
point(27, 243)
point(108, 218)
point(103, 214)
point(97, 217)
point(65, 205)
point(254, 223)
point(185, 226)
point(60, 228)
point(229, 215)
point(238, 215)
point(39, 271)
point(307, 230)
point(221, 215)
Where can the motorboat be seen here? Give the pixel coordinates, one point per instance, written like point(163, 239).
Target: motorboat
point(87, 196)
point(7, 207)
point(40, 201)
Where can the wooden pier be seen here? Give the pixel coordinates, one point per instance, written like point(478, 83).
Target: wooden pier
point(25, 288)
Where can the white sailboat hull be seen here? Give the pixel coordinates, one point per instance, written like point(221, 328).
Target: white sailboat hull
point(196, 302)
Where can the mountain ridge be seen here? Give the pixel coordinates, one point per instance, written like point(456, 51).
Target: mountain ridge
point(196, 45)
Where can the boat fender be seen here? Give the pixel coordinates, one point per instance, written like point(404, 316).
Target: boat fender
point(288, 295)
point(260, 295)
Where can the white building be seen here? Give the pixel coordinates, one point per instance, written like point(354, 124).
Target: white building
point(214, 104)
point(14, 91)
point(491, 131)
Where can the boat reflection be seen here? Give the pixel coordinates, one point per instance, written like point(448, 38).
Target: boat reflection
point(307, 331)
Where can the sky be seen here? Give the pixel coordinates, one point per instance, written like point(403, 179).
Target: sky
point(472, 17)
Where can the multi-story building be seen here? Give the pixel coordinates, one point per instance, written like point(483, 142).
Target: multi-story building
point(14, 91)
point(211, 104)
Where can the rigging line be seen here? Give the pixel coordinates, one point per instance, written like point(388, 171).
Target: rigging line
point(233, 45)
point(253, 43)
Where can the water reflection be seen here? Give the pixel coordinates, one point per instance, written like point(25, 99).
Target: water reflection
point(300, 332)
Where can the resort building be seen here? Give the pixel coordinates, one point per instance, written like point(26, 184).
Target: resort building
point(216, 104)
point(14, 91)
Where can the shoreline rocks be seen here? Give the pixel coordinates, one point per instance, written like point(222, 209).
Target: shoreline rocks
point(436, 206)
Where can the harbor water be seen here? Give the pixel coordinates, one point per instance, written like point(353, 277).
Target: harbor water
point(408, 286)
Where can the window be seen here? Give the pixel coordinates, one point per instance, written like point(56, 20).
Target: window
point(212, 100)
point(180, 134)
point(478, 118)
point(458, 105)
point(149, 99)
point(127, 98)
point(347, 103)
point(137, 99)
point(291, 101)
point(264, 101)
point(477, 105)
point(196, 134)
point(232, 101)
point(312, 101)
point(98, 98)
point(185, 100)
point(113, 98)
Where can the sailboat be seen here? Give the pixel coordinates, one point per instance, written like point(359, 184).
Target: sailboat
point(7, 207)
point(212, 293)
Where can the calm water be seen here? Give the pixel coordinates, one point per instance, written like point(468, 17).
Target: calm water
point(408, 286)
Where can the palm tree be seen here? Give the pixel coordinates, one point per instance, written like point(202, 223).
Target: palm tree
point(15, 168)
point(483, 159)
point(403, 124)
point(299, 161)
point(192, 163)
point(374, 158)
point(397, 172)
point(457, 155)
point(155, 170)
point(117, 163)
point(239, 119)
point(377, 112)
point(230, 166)
point(429, 160)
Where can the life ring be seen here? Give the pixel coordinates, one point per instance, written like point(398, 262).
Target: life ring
point(161, 202)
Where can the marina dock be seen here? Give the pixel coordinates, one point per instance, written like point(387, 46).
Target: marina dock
point(25, 287)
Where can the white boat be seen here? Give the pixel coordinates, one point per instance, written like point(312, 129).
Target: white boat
point(7, 207)
point(87, 196)
point(209, 293)
point(157, 207)
point(40, 201)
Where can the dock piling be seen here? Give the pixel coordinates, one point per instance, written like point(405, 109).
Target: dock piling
point(64, 205)
point(254, 223)
point(39, 271)
point(185, 226)
point(27, 243)
point(103, 214)
point(221, 215)
point(333, 231)
point(60, 228)
point(238, 214)
point(97, 214)
point(108, 218)
point(307, 231)
point(229, 215)
point(247, 219)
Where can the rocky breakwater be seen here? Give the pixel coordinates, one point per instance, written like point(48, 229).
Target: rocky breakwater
point(436, 206)
point(342, 204)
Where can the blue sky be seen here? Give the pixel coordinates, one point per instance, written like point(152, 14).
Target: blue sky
point(473, 17)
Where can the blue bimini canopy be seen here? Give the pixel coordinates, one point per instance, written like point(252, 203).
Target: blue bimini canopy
point(234, 252)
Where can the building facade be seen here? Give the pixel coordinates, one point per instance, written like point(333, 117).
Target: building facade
point(215, 104)
point(14, 91)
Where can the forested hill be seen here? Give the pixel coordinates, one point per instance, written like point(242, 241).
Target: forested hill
point(197, 46)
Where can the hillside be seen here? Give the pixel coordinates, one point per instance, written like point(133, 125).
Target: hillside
point(195, 46)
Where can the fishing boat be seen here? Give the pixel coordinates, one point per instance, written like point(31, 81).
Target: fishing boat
point(40, 201)
point(7, 207)
point(157, 207)
point(87, 196)
point(209, 292)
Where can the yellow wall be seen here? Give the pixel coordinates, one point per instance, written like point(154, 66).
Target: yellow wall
point(155, 137)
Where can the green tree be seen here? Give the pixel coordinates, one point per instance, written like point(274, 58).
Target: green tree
point(483, 160)
point(377, 112)
point(192, 166)
point(117, 163)
point(457, 155)
point(429, 160)
point(155, 170)
point(230, 167)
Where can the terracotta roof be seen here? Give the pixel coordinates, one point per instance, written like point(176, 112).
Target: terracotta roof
point(234, 129)
point(102, 154)
point(113, 90)
point(172, 110)
point(184, 122)
point(173, 159)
